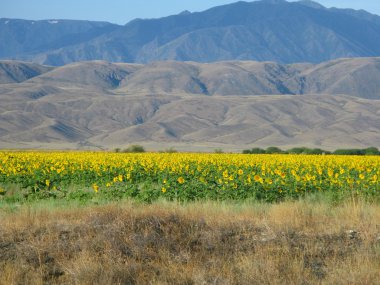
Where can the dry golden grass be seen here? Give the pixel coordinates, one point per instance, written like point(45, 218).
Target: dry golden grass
point(200, 243)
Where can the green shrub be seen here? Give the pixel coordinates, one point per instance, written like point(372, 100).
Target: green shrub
point(353, 151)
point(297, 150)
point(371, 151)
point(255, 150)
point(273, 150)
point(134, 149)
point(314, 151)
point(305, 150)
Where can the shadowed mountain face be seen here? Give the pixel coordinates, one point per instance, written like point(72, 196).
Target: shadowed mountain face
point(192, 106)
point(14, 72)
point(280, 31)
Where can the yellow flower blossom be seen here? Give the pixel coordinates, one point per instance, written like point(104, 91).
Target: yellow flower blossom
point(181, 180)
point(95, 187)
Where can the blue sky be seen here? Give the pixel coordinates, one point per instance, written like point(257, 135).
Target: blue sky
point(122, 11)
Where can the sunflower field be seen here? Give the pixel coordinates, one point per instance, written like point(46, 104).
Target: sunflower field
point(185, 176)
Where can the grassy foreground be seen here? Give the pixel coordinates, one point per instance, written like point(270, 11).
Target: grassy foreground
point(298, 242)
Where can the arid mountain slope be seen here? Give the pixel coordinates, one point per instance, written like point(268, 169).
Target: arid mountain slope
point(15, 72)
point(94, 74)
point(356, 77)
point(193, 106)
point(359, 77)
point(195, 122)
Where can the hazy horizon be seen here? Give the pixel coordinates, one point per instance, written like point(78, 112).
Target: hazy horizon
point(123, 11)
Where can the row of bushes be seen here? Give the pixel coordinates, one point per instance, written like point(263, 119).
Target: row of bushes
point(132, 149)
point(139, 149)
point(305, 150)
point(274, 150)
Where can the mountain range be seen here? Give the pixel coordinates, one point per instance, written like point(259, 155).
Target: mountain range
point(268, 30)
point(191, 106)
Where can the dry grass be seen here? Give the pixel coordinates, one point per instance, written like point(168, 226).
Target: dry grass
point(201, 243)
